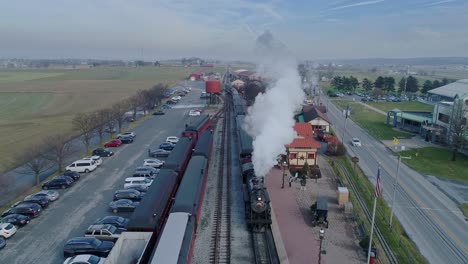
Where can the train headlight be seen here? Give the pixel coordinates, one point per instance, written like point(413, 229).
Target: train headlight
point(259, 198)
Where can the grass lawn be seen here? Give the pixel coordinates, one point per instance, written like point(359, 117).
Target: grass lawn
point(464, 208)
point(437, 162)
point(404, 106)
point(371, 121)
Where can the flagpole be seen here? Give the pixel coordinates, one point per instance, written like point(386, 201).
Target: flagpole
point(372, 230)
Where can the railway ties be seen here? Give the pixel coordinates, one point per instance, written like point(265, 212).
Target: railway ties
point(220, 248)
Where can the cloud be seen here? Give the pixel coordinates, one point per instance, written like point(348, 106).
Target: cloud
point(441, 2)
point(364, 3)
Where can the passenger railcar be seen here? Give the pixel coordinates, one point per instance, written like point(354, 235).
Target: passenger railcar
point(204, 145)
point(180, 155)
point(196, 126)
point(245, 141)
point(150, 215)
point(176, 242)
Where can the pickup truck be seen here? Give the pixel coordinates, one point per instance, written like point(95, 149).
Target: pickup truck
point(104, 232)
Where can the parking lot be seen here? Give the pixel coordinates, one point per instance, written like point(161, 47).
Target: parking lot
point(42, 240)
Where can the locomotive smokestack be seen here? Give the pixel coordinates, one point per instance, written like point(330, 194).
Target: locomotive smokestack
point(270, 119)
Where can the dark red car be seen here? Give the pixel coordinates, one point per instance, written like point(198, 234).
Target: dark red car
point(113, 143)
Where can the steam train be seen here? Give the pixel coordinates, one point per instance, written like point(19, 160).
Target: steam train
point(256, 198)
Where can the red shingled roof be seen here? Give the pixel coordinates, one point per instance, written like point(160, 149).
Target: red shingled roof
point(303, 129)
point(308, 143)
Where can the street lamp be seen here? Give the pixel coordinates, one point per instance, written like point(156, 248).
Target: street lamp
point(395, 184)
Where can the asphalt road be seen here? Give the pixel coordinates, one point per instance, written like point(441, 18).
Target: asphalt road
point(42, 240)
point(430, 218)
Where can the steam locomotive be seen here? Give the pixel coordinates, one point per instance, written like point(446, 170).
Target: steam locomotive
point(256, 198)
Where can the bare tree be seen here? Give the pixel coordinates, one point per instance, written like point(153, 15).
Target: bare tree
point(118, 113)
point(34, 162)
point(135, 102)
point(58, 149)
point(156, 93)
point(6, 182)
point(85, 124)
point(458, 126)
point(99, 118)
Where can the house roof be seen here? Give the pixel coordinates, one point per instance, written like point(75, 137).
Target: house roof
point(303, 129)
point(307, 143)
point(311, 113)
point(459, 87)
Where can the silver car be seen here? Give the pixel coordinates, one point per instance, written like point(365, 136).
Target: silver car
point(49, 194)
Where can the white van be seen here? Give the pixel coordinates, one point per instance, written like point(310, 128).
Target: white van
point(134, 181)
point(82, 166)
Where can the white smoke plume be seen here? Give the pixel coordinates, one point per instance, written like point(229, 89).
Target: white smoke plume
point(270, 119)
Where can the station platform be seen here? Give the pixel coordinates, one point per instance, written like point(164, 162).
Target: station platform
point(296, 242)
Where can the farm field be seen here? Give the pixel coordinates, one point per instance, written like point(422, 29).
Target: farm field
point(34, 104)
point(371, 121)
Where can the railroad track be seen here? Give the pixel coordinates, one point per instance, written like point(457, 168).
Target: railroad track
point(386, 248)
point(265, 248)
point(220, 250)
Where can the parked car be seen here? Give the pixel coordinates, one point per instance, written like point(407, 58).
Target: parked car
point(356, 142)
point(123, 205)
point(160, 112)
point(103, 232)
point(85, 259)
point(157, 153)
point(31, 210)
point(126, 139)
point(18, 220)
point(147, 169)
point(103, 152)
point(110, 131)
point(167, 146)
point(172, 139)
point(82, 166)
point(193, 113)
point(166, 106)
point(7, 230)
point(57, 184)
point(49, 194)
point(155, 163)
point(73, 174)
point(96, 158)
point(129, 133)
point(140, 188)
point(68, 178)
point(130, 194)
point(2, 243)
point(42, 201)
point(177, 98)
point(87, 245)
point(113, 143)
point(131, 181)
point(114, 220)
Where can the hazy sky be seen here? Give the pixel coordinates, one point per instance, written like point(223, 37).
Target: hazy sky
point(159, 29)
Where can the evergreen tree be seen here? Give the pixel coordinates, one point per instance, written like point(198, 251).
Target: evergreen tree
point(379, 82)
point(426, 86)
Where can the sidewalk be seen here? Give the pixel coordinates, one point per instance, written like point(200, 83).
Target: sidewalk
point(293, 219)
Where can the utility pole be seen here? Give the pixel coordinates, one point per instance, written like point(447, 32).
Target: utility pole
point(395, 184)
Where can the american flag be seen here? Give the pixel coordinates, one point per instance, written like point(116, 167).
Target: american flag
point(377, 185)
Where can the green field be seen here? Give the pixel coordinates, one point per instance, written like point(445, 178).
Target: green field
point(404, 106)
point(437, 162)
point(464, 208)
point(371, 121)
point(34, 104)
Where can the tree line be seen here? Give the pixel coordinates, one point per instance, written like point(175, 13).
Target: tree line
point(387, 84)
point(56, 148)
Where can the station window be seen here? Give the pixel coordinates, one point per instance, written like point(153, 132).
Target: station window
point(293, 156)
point(310, 155)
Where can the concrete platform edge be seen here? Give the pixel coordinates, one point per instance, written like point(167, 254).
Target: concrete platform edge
point(282, 254)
